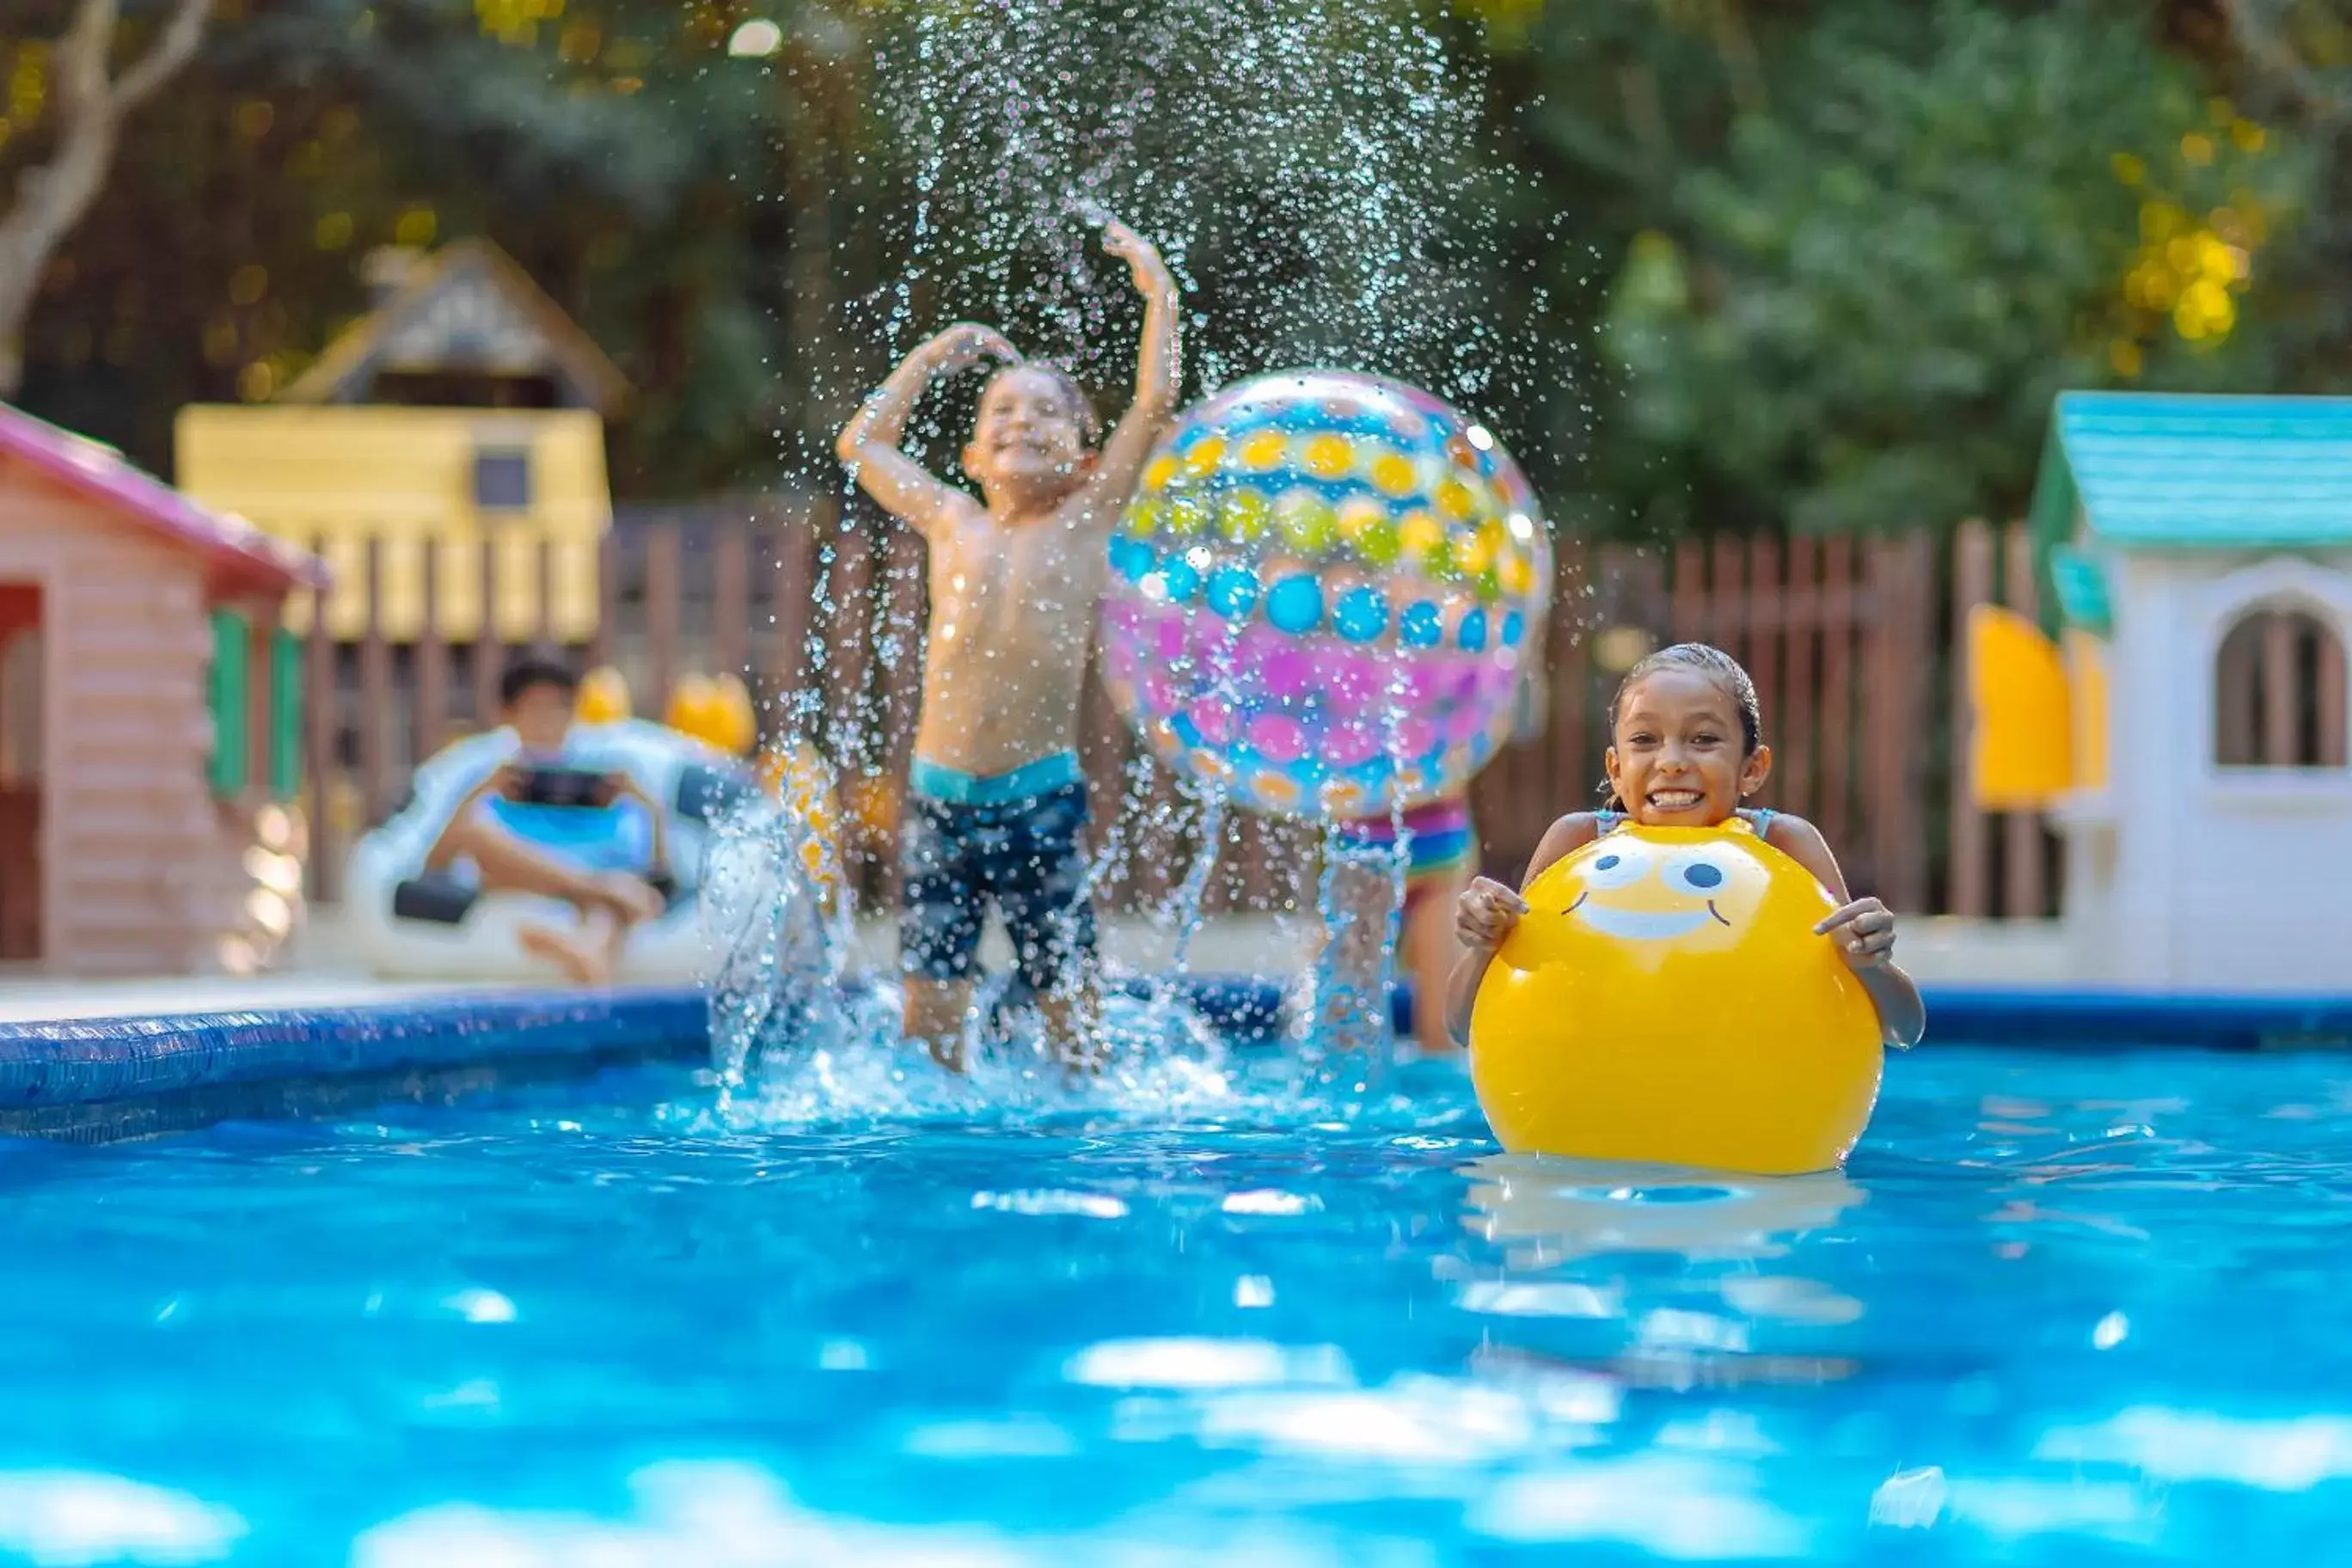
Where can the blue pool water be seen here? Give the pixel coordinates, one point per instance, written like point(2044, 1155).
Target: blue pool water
point(2063, 1311)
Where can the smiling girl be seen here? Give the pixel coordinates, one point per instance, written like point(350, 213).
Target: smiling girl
point(1686, 747)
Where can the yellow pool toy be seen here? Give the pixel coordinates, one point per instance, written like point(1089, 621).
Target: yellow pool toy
point(603, 696)
point(1667, 1000)
point(715, 711)
point(800, 779)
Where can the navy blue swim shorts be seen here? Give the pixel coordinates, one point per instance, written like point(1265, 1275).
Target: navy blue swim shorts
point(1026, 858)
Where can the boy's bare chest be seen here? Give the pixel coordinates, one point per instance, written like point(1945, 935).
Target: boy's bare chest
point(1018, 582)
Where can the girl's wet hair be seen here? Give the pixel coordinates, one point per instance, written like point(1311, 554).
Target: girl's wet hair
point(1717, 666)
point(1082, 408)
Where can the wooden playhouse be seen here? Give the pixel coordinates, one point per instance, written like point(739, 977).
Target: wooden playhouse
point(445, 455)
point(464, 412)
point(150, 719)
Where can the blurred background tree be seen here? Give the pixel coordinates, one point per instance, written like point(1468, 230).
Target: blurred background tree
point(1901, 231)
point(69, 143)
point(1820, 262)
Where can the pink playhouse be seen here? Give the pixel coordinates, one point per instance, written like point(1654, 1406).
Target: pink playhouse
point(150, 719)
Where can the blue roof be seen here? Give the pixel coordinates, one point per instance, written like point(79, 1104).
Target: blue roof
point(2158, 470)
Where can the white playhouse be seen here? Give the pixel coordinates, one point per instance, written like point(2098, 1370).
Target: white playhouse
point(2186, 730)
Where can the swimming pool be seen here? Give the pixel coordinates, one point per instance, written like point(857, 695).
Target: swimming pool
point(2061, 1309)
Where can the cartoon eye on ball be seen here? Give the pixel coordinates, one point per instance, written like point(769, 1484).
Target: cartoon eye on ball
point(1645, 896)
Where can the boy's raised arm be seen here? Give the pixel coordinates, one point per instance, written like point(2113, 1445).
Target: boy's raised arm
point(869, 447)
point(1156, 374)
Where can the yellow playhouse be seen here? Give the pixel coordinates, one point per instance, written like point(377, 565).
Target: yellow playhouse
point(465, 408)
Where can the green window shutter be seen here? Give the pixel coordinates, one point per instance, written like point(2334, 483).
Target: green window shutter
point(231, 740)
point(285, 714)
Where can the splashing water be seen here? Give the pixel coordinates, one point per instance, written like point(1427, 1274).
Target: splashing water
point(1306, 169)
point(1343, 1033)
point(809, 1038)
point(1310, 175)
point(1163, 1060)
point(777, 962)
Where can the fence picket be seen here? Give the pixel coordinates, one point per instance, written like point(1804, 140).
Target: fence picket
point(432, 661)
point(1841, 632)
point(375, 694)
point(1967, 883)
point(2024, 849)
point(490, 651)
point(1800, 627)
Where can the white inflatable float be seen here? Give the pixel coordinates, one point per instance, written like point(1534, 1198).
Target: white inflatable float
point(413, 925)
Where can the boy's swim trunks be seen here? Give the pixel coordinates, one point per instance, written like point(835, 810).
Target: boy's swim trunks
point(1016, 840)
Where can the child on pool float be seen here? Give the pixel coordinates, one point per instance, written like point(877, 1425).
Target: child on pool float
point(1686, 747)
point(997, 808)
point(536, 698)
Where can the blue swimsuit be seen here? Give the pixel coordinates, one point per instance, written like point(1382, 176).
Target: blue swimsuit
point(1016, 841)
point(1759, 820)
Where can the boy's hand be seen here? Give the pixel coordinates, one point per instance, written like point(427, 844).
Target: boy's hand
point(1151, 277)
point(1867, 928)
point(965, 344)
point(1485, 913)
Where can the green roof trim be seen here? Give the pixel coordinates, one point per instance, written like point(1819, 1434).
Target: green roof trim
point(2051, 519)
point(2170, 472)
point(2080, 585)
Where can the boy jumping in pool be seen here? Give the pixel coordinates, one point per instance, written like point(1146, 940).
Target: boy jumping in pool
point(1685, 748)
point(997, 808)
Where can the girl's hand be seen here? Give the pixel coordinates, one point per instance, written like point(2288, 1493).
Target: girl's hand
point(965, 344)
point(1151, 277)
point(1867, 933)
point(1485, 913)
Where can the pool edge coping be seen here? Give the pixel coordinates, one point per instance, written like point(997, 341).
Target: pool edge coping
point(99, 1078)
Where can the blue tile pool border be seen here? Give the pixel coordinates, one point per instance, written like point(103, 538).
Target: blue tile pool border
point(99, 1077)
point(128, 1077)
point(2032, 1017)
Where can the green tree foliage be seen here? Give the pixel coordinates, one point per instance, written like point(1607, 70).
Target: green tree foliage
point(615, 150)
point(1864, 246)
point(1821, 261)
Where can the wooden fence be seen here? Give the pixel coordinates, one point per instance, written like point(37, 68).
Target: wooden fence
point(1851, 643)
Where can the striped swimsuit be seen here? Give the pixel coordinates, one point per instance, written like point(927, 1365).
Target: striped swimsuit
point(1439, 837)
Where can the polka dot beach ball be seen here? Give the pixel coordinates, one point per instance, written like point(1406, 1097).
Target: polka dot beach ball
point(1323, 594)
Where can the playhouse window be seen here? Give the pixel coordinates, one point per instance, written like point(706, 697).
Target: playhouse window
point(502, 479)
point(2279, 692)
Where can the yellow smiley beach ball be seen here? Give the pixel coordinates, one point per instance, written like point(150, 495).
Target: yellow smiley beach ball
point(1667, 1000)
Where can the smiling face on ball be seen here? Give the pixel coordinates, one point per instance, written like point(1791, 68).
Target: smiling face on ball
point(1680, 757)
point(1699, 892)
